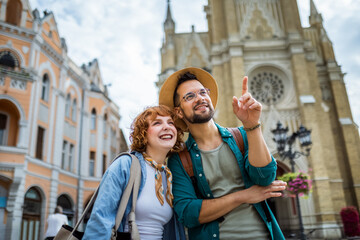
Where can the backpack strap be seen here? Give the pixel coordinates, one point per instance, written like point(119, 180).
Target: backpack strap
point(187, 164)
point(235, 132)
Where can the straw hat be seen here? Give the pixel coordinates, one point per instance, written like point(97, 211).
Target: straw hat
point(167, 90)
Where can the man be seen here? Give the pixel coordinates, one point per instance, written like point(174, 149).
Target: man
point(232, 186)
point(54, 222)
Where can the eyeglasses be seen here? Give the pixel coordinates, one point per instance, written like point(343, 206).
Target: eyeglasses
point(190, 96)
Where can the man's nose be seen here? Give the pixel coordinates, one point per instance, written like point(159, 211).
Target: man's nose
point(199, 97)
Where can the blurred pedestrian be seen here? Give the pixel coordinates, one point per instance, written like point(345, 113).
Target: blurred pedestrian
point(54, 222)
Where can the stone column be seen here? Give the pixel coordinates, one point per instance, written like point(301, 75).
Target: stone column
point(23, 139)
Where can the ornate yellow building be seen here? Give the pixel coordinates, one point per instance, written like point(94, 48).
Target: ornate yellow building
point(58, 126)
point(293, 71)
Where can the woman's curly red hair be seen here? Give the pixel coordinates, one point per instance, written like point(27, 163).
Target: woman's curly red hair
point(140, 125)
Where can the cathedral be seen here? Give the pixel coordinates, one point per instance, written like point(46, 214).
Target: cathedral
point(294, 73)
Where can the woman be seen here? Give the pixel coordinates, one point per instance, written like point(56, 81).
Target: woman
point(153, 137)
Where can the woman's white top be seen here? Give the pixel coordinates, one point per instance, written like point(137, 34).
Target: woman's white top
point(151, 216)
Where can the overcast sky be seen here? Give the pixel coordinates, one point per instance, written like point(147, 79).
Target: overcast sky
point(126, 36)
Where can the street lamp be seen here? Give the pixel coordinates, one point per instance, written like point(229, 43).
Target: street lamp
point(284, 145)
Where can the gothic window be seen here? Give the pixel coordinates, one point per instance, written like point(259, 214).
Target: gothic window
point(73, 110)
point(13, 12)
point(3, 129)
point(40, 143)
point(267, 87)
point(93, 119)
point(45, 88)
point(8, 59)
point(67, 106)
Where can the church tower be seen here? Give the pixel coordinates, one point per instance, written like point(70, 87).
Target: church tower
point(293, 72)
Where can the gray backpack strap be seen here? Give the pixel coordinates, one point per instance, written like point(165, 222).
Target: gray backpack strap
point(132, 187)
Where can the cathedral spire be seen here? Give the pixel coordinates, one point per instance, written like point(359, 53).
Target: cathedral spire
point(315, 17)
point(169, 22)
point(313, 10)
point(169, 25)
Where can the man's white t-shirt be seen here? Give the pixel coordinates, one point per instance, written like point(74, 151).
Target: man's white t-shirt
point(55, 221)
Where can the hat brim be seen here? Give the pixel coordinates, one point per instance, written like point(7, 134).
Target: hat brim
point(166, 94)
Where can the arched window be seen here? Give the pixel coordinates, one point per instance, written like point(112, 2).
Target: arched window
point(30, 226)
point(104, 123)
point(66, 203)
point(13, 12)
point(93, 119)
point(67, 106)
point(3, 129)
point(45, 87)
point(73, 110)
point(8, 59)
point(268, 85)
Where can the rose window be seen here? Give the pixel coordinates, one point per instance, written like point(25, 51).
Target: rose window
point(267, 87)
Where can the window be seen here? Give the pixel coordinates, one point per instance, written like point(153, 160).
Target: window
point(8, 59)
point(45, 88)
point(104, 123)
point(13, 12)
point(104, 163)
point(40, 143)
point(71, 157)
point(67, 106)
point(31, 217)
point(73, 110)
point(3, 129)
point(92, 164)
point(268, 85)
point(93, 119)
point(63, 155)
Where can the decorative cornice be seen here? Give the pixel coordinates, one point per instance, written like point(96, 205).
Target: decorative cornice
point(56, 56)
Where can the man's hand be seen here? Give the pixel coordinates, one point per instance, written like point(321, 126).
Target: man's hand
point(212, 209)
point(258, 193)
point(246, 108)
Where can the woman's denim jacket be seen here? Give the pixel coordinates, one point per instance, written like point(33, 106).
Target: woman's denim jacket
point(107, 202)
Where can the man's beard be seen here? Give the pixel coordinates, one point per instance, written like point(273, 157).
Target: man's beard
point(200, 118)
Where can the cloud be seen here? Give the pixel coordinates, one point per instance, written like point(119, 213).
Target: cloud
point(126, 37)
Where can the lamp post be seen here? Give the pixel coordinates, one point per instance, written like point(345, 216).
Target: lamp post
point(285, 149)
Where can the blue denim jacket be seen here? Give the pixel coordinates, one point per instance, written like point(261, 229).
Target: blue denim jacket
point(187, 205)
point(112, 185)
